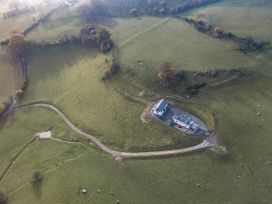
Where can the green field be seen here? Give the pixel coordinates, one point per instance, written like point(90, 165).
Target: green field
point(153, 41)
point(70, 77)
point(20, 22)
point(254, 17)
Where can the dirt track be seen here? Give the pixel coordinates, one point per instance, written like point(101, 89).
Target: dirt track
point(116, 154)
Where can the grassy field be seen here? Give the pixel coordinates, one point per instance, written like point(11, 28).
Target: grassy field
point(151, 41)
point(239, 178)
point(72, 79)
point(243, 176)
point(254, 17)
point(21, 22)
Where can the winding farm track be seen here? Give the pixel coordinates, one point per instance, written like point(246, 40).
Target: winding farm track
point(116, 154)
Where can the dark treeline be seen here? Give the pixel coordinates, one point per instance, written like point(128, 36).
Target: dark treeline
point(245, 44)
point(130, 8)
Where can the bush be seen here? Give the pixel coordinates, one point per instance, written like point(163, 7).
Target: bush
point(181, 75)
point(106, 75)
point(113, 69)
point(193, 90)
point(99, 37)
point(167, 72)
point(36, 177)
point(3, 197)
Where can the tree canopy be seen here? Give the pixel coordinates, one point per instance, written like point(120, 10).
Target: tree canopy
point(100, 37)
point(16, 44)
point(167, 72)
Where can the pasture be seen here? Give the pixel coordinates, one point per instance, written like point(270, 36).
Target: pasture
point(60, 23)
point(70, 77)
point(9, 79)
point(147, 42)
point(75, 166)
point(72, 80)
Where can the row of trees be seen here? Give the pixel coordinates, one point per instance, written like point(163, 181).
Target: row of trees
point(245, 44)
point(89, 36)
point(205, 27)
point(17, 94)
point(168, 77)
point(18, 12)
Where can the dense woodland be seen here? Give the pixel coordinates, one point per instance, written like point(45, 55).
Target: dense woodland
point(132, 8)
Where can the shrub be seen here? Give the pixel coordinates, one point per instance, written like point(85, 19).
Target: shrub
point(99, 37)
point(193, 90)
point(181, 75)
point(167, 72)
point(113, 69)
point(36, 177)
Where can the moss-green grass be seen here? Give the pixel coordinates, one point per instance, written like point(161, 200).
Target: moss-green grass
point(66, 21)
point(153, 41)
point(72, 79)
point(20, 22)
point(67, 167)
point(242, 177)
point(254, 17)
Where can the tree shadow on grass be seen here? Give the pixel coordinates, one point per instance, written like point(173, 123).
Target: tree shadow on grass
point(37, 189)
point(48, 63)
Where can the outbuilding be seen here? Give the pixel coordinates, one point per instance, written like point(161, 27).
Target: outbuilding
point(44, 135)
point(185, 121)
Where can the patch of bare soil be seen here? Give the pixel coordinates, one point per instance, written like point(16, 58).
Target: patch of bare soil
point(146, 115)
